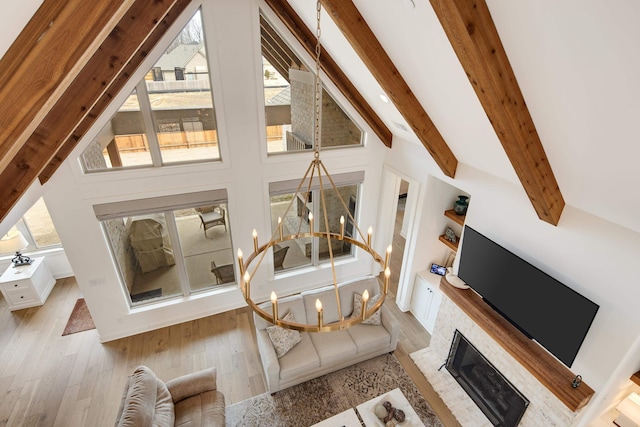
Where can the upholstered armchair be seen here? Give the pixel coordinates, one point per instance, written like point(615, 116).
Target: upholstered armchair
point(189, 400)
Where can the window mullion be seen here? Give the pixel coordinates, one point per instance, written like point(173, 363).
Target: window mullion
point(315, 246)
point(177, 252)
point(147, 118)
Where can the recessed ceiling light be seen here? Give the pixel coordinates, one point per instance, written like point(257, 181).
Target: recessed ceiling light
point(384, 98)
point(409, 4)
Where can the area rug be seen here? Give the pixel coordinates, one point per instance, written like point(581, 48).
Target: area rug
point(313, 401)
point(80, 319)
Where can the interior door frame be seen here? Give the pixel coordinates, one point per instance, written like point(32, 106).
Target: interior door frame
point(390, 191)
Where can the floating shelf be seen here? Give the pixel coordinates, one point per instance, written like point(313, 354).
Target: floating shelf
point(453, 216)
point(452, 246)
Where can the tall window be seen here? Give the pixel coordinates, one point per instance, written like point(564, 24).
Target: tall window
point(170, 246)
point(289, 101)
point(37, 227)
point(168, 118)
point(313, 251)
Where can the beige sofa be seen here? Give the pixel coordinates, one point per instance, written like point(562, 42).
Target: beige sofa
point(189, 400)
point(320, 353)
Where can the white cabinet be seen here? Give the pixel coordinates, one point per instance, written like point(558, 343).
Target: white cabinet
point(28, 285)
point(426, 298)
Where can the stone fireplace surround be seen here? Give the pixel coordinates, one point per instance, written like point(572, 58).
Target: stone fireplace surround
point(545, 408)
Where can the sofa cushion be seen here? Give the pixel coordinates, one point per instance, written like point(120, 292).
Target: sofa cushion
point(333, 347)
point(369, 338)
point(204, 409)
point(357, 309)
point(291, 303)
point(283, 339)
point(301, 360)
point(146, 401)
point(327, 296)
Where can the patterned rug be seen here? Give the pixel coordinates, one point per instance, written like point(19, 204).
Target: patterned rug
point(313, 401)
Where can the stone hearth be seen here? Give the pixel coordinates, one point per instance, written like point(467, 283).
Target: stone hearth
point(544, 409)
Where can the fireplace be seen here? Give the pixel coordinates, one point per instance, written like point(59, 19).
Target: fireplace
point(496, 397)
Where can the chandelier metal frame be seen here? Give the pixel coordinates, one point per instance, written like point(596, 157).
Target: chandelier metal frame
point(316, 168)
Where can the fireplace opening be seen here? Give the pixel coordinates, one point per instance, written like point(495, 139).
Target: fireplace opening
point(496, 397)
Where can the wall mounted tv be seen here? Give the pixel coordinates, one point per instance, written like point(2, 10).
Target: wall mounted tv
point(544, 309)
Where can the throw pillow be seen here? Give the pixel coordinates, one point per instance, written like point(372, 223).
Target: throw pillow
point(283, 339)
point(357, 309)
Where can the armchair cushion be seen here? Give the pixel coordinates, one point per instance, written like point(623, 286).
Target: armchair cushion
point(204, 409)
point(192, 384)
point(147, 401)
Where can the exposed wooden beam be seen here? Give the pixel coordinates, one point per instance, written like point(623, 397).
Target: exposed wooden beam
point(355, 29)
point(473, 35)
point(45, 59)
point(112, 90)
point(308, 40)
point(107, 64)
point(277, 52)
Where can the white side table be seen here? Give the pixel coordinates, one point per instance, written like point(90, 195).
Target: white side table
point(28, 285)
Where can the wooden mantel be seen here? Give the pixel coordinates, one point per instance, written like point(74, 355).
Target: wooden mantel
point(550, 372)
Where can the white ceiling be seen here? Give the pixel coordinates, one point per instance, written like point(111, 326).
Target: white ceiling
point(577, 63)
point(578, 66)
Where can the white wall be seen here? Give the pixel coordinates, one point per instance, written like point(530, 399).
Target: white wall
point(594, 257)
point(245, 172)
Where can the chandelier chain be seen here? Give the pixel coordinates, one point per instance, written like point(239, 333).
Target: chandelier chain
point(347, 237)
point(318, 83)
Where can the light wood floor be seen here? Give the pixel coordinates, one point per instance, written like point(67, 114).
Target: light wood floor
point(50, 380)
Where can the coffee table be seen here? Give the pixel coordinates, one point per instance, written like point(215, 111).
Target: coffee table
point(398, 400)
point(348, 418)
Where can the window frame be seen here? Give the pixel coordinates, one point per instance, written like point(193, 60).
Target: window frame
point(283, 187)
point(165, 205)
point(22, 225)
point(344, 105)
point(146, 111)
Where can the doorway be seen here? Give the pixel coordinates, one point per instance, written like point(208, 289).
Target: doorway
point(399, 237)
point(399, 201)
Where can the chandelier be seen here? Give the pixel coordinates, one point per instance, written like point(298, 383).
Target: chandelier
point(315, 171)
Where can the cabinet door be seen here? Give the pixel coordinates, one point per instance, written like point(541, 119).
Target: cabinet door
point(421, 299)
point(432, 311)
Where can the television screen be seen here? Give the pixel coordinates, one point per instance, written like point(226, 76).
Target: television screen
point(546, 310)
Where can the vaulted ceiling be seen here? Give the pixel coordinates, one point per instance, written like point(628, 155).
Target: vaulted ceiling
point(458, 73)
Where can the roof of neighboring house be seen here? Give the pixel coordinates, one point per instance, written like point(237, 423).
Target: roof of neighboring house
point(278, 96)
point(180, 56)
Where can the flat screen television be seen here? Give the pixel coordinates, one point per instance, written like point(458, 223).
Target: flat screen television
point(544, 309)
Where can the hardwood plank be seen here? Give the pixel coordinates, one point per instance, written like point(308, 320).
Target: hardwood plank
point(550, 372)
point(62, 40)
point(475, 40)
point(83, 124)
point(67, 405)
point(307, 39)
point(355, 29)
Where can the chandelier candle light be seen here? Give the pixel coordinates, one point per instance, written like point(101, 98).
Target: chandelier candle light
point(317, 170)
